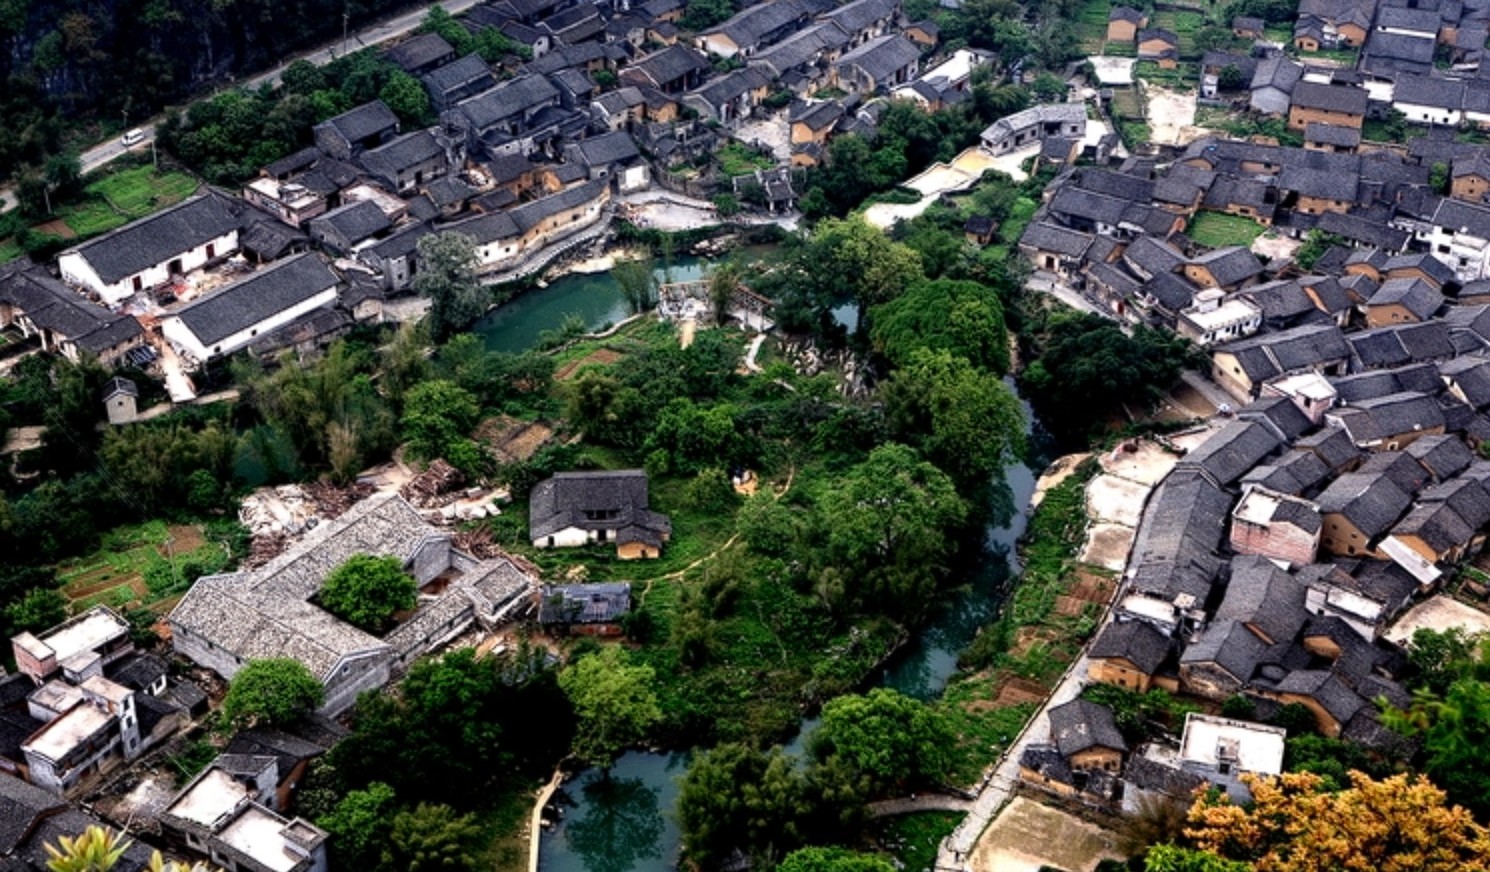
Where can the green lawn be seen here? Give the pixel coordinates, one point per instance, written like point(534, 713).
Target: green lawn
point(1091, 25)
point(737, 160)
point(141, 565)
point(1182, 78)
point(1217, 230)
point(10, 249)
point(913, 839)
point(1346, 56)
point(1184, 23)
point(91, 217)
point(1127, 104)
point(139, 191)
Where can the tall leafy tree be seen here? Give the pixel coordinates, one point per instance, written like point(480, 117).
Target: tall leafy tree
point(431, 838)
point(736, 798)
point(447, 276)
point(271, 692)
point(893, 739)
point(962, 317)
point(616, 702)
point(854, 260)
point(820, 859)
point(366, 591)
point(358, 826)
point(964, 420)
point(888, 525)
point(1400, 824)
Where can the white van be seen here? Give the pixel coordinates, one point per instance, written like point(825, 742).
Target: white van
point(134, 137)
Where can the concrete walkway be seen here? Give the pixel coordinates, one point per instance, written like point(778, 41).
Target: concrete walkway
point(920, 803)
point(1049, 283)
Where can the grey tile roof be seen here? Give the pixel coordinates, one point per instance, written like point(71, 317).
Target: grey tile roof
point(1437, 524)
point(366, 120)
point(594, 501)
point(1229, 646)
point(1364, 230)
point(584, 603)
point(1170, 292)
point(607, 149)
point(288, 749)
point(1263, 597)
point(1325, 688)
point(508, 99)
point(1045, 236)
point(1277, 71)
point(1126, 13)
point(670, 64)
point(529, 215)
point(748, 27)
point(1145, 773)
point(1045, 113)
point(860, 14)
point(1230, 452)
point(1295, 473)
point(1135, 641)
point(267, 612)
point(1371, 502)
point(1229, 266)
point(1418, 297)
point(1333, 98)
point(53, 306)
point(1331, 445)
point(1150, 257)
point(168, 233)
point(881, 57)
point(22, 807)
point(401, 153)
point(1468, 496)
point(250, 300)
point(1405, 472)
point(1292, 350)
point(1443, 456)
point(1124, 186)
point(1435, 269)
point(1081, 725)
point(353, 222)
point(419, 51)
point(468, 71)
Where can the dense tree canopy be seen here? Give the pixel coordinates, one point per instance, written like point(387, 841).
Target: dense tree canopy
point(819, 859)
point(893, 739)
point(1400, 824)
point(447, 276)
point(736, 798)
point(961, 317)
point(891, 521)
point(1087, 370)
point(366, 591)
point(615, 701)
point(271, 692)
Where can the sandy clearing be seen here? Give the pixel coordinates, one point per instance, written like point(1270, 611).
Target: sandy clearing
point(1439, 613)
point(1026, 836)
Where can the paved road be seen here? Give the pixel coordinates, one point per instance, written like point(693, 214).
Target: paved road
point(374, 34)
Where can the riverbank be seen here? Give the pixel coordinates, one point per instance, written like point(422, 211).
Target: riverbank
point(1079, 542)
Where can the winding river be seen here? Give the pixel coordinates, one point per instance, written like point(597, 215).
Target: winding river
point(625, 823)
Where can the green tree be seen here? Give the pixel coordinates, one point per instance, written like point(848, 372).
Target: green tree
point(889, 521)
point(271, 692)
point(1451, 729)
point(736, 798)
point(692, 437)
point(408, 99)
point(854, 260)
point(605, 409)
point(616, 703)
point(447, 276)
point(1088, 370)
point(429, 838)
point(962, 317)
point(724, 283)
point(893, 739)
point(703, 14)
point(1439, 658)
point(366, 591)
point(438, 415)
point(38, 610)
point(1172, 858)
point(1316, 243)
point(98, 849)
point(358, 826)
point(637, 279)
point(964, 420)
point(819, 859)
point(767, 526)
point(1438, 177)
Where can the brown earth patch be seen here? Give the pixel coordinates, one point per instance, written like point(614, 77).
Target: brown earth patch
point(1026, 637)
point(600, 356)
point(1091, 587)
point(1019, 690)
point(184, 540)
point(512, 439)
point(57, 227)
point(1069, 605)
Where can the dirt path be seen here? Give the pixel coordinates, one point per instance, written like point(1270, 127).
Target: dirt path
point(676, 574)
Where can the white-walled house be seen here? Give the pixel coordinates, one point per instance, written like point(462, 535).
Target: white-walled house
point(146, 254)
point(232, 317)
point(1460, 238)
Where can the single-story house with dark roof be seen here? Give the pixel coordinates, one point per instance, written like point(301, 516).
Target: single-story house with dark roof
point(1159, 45)
point(457, 80)
point(1357, 509)
point(147, 253)
point(578, 508)
point(421, 53)
point(1403, 300)
point(63, 322)
point(1128, 654)
point(1123, 24)
point(352, 132)
point(407, 162)
point(233, 316)
point(1247, 27)
point(1340, 105)
point(585, 609)
point(1319, 136)
point(340, 230)
point(1087, 736)
point(1226, 268)
point(879, 64)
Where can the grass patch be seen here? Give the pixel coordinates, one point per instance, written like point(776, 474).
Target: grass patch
point(1091, 25)
point(91, 217)
point(191, 759)
point(1217, 230)
point(912, 839)
point(1344, 56)
point(135, 567)
point(1031, 642)
point(504, 828)
point(139, 191)
point(1184, 23)
point(736, 159)
point(1127, 103)
point(1135, 133)
point(1182, 78)
point(10, 249)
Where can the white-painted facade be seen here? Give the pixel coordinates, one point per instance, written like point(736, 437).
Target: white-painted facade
point(1460, 250)
point(183, 338)
point(76, 269)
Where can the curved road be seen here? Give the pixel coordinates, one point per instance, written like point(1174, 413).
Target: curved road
point(374, 34)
